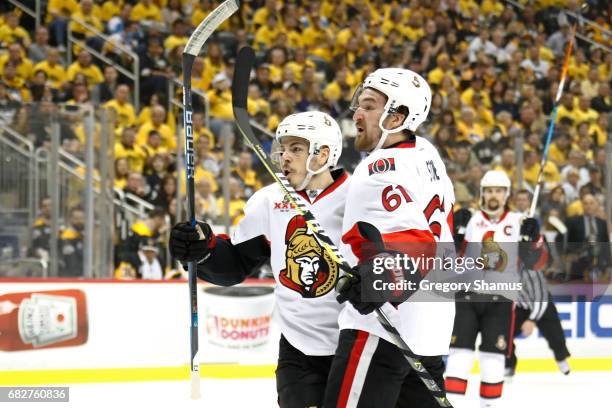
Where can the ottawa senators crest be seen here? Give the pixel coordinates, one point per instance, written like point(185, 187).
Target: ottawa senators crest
point(309, 270)
point(494, 256)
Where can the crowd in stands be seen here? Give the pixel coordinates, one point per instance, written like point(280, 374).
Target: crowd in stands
point(493, 67)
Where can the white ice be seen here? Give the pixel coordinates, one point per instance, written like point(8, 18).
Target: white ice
point(548, 390)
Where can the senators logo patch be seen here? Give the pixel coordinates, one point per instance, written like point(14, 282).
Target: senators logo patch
point(496, 259)
point(309, 270)
point(381, 166)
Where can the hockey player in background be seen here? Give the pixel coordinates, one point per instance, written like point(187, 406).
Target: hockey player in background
point(309, 146)
point(492, 235)
point(399, 195)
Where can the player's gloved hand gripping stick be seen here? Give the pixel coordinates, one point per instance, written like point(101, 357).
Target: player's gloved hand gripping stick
point(192, 50)
point(242, 72)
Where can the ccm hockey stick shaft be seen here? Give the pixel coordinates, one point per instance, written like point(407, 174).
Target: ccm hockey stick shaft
point(553, 118)
point(244, 64)
point(192, 50)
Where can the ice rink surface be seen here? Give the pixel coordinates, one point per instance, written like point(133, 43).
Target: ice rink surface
point(548, 390)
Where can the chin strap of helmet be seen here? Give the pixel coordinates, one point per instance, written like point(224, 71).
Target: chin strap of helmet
point(385, 132)
point(309, 172)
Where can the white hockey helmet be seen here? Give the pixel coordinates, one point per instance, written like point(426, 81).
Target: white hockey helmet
point(494, 178)
point(402, 87)
point(319, 129)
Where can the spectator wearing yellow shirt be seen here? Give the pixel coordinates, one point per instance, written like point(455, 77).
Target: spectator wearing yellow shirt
point(11, 32)
point(145, 10)
point(16, 86)
point(177, 37)
point(207, 202)
point(476, 86)
point(122, 169)
point(256, 104)
point(298, 62)
point(221, 112)
point(599, 131)
point(126, 116)
point(127, 148)
point(84, 65)
point(110, 9)
point(550, 176)
point(393, 22)
point(584, 142)
point(24, 68)
point(278, 58)
point(584, 112)
point(315, 34)
point(153, 147)
point(236, 204)
point(244, 171)
point(484, 116)
point(158, 116)
point(442, 69)
point(559, 149)
point(469, 130)
point(265, 36)
point(354, 30)
point(336, 91)
point(590, 86)
point(578, 68)
point(507, 164)
point(260, 17)
point(145, 113)
point(414, 31)
point(199, 129)
point(491, 7)
point(86, 15)
point(213, 65)
point(566, 108)
point(58, 15)
point(56, 73)
point(292, 30)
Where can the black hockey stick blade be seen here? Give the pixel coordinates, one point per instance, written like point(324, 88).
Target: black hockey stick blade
point(242, 72)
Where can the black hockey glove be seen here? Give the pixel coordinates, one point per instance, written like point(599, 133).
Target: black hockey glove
point(372, 284)
point(530, 230)
point(189, 244)
point(530, 250)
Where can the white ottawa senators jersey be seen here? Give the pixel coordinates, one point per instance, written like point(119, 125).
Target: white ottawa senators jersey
point(405, 193)
point(306, 307)
point(496, 244)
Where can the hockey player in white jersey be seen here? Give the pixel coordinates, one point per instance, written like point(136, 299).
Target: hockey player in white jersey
point(399, 202)
point(492, 236)
point(309, 146)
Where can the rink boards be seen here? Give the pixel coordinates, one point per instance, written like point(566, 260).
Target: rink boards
point(139, 331)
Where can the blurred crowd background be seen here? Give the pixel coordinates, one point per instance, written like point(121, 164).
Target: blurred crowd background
point(493, 66)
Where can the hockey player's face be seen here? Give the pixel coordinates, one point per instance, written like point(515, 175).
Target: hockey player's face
point(494, 197)
point(367, 115)
point(293, 154)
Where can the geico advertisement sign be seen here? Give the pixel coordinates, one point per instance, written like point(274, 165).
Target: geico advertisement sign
point(583, 319)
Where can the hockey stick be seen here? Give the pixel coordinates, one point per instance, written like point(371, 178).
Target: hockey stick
point(553, 117)
point(192, 50)
point(240, 85)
